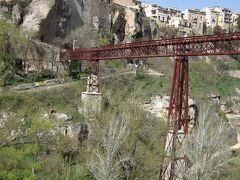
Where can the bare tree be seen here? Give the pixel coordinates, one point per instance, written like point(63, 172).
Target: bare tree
point(207, 147)
point(106, 165)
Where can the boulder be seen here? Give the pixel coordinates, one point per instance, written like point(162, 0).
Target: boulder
point(235, 74)
point(225, 109)
point(17, 14)
point(236, 149)
point(3, 117)
point(3, 9)
point(17, 77)
point(214, 97)
point(158, 106)
point(236, 109)
point(96, 23)
point(237, 90)
point(76, 131)
point(61, 116)
point(57, 116)
point(232, 134)
point(67, 131)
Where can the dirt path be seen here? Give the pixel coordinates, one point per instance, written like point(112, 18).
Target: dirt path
point(59, 85)
point(47, 87)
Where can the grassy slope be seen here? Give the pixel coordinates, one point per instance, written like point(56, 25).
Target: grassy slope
point(204, 79)
point(35, 103)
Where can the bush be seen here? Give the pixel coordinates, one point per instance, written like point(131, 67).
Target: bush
point(47, 74)
point(10, 4)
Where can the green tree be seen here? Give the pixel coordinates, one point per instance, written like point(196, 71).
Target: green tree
point(205, 28)
point(238, 22)
point(11, 41)
point(207, 148)
point(209, 30)
point(20, 149)
point(217, 30)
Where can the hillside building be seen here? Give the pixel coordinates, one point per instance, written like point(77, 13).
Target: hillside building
point(160, 14)
point(222, 17)
point(212, 17)
point(196, 19)
point(192, 20)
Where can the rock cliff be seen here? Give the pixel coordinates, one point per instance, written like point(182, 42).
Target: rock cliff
point(130, 24)
point(53, 23)
point(37, 12)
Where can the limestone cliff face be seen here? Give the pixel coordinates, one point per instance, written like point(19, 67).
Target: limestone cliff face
point(131, 24)
point(49, 23)
point(52, 22)
point(37, 12)
point(41, 56)
point(61, 17)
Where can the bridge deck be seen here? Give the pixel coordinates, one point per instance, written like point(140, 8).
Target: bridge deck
point(224, 44)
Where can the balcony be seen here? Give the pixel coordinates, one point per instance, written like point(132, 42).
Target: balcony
point(227, 20)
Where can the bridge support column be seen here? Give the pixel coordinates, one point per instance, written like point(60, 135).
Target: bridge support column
point(92, 99)
point(93, 77)
point(174, 163)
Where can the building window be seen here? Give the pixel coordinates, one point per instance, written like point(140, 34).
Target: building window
point(153, 11)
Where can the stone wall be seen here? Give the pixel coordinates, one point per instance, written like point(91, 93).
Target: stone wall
point(125, 2)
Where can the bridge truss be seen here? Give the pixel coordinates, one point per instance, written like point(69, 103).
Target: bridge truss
point(179, 48)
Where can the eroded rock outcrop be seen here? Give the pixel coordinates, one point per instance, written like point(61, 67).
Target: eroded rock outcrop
point(158, 106)
point(66, 126)
point(37, 12)
point(3, 117)
point(119, 26)
point(131, 24)
point(57, 116)
point(67, 16)
point(17, 14)
point(40, 56)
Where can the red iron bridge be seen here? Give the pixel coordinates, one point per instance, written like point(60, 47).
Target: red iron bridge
point(180, 48)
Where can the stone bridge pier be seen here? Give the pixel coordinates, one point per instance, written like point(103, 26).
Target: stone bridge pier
point(92, 99)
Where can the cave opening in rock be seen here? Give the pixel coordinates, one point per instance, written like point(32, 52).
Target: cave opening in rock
point(19, 64)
